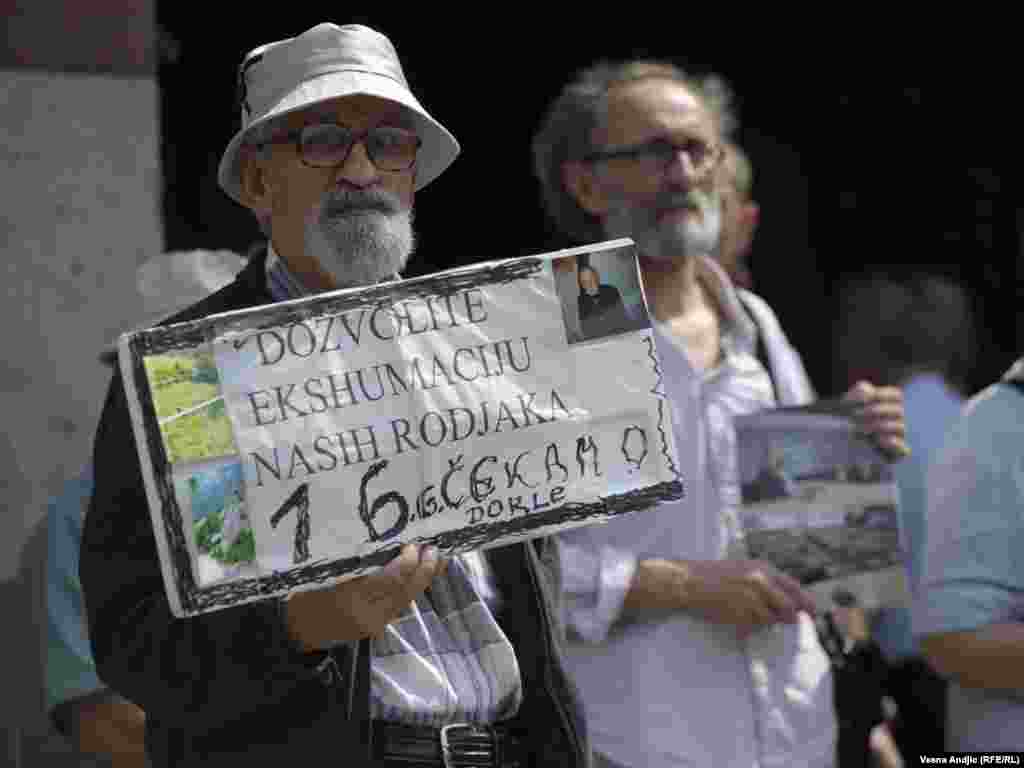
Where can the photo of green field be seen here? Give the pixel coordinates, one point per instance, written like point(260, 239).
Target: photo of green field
point(187, 397)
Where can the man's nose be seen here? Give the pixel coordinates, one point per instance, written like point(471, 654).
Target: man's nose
point(358, 169)
point(681, 167)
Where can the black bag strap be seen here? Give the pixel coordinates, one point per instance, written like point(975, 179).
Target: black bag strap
point(760, 350)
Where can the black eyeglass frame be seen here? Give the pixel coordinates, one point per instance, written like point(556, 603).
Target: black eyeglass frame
point(356, 138)
point(659, 148)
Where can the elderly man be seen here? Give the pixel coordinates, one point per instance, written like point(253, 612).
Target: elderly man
point(378, 670)
point(691, 653)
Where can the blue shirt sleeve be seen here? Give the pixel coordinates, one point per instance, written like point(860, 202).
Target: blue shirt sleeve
point(70, 671)
point(973, 570)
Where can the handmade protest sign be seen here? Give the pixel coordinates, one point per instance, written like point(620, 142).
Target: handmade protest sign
point(290, 446)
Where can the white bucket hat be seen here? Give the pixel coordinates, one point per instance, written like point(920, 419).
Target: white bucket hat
point(169, 282)
point(323, 63)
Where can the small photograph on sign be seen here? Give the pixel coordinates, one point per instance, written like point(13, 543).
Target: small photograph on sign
point(224, 540)
point(600, 295)
point(189, 405)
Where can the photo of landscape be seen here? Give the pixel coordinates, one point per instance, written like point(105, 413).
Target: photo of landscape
point(819, 500)
point(187, 396)
point(221, 529)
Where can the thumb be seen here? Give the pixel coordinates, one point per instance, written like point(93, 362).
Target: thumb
point(861, 392)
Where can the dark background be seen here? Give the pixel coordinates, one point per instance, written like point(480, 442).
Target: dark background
point(893, 160)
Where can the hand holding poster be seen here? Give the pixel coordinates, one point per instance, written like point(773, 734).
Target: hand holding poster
point(294, 445)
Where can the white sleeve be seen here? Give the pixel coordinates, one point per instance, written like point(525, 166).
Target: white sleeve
point(595, 581)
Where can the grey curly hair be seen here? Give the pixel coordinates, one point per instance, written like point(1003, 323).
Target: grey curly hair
point(565, 133)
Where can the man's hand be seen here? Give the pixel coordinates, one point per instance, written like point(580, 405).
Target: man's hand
point(879, 413)
point(564, 265)
point(112, 727)
point(746, 594)
point(361, 607)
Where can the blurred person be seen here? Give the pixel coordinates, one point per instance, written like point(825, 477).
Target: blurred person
point(689, 653)
point(377, 670)
point(740, 217)
point(93, 718)
point(968, 610)
point(600, 305)
point(914, 332)
point(740, 214)
point(772, 482)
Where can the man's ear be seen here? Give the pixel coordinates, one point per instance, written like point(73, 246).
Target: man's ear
point(751, 216)
point(256, 191)
point(581, 183)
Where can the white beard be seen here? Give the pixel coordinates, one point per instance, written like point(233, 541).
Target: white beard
point(693, 236)
point(360, 238)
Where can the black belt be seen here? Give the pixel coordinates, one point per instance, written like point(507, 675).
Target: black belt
point(460, 745)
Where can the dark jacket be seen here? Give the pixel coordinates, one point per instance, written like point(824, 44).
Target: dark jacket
point(227, 687)
point(603, 314)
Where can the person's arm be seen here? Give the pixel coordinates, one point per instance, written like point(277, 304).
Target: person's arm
point(92, 718)
point(362, 607)
point(990, 657)
point(965, 611)
point(110, 726)
point(604, 586)
point(745, 594)
point(199, 673)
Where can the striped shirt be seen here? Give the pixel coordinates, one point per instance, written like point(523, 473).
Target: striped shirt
point(445, 659)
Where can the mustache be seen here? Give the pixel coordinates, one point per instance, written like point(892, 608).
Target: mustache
point(691, 198)
point(346, 201)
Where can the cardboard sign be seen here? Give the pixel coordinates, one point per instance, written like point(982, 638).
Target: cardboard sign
point(294, 445)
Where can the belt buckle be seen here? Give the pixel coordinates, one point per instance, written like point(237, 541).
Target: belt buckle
point(468, 745)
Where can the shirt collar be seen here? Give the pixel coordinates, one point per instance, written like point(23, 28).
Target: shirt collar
point(282, 284)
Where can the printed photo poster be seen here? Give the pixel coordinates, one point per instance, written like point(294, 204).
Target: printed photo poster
point(293, 445)
point(820, 502)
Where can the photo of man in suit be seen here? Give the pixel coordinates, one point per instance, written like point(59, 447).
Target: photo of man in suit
point(602, 312)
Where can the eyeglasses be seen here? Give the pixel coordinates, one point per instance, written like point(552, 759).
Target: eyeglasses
point(658, 154)
point(327, 145)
